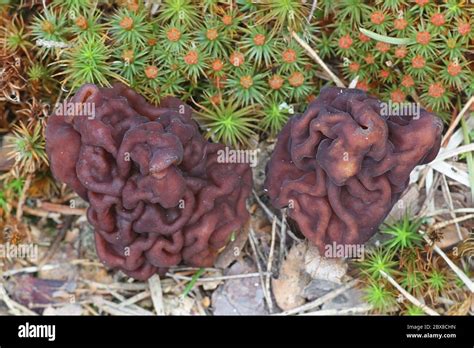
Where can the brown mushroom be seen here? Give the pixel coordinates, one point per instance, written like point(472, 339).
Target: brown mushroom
point(342, 165)
point(158, 195)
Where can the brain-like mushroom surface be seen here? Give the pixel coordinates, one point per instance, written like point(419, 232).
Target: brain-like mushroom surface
point(341, 165)
point(158, 194)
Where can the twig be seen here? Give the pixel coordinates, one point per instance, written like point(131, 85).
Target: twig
point(270, 216)
point(450, 263)
point(270, 263)
point(260, 273)
point(40, 212)
point(117, 286)
point(318, 60)
point(156, 294)
point(408, 296)
point(259, 251)
point(443, 224)
point(61, 209)
point(321, 300)
point(446, 211)
point(449, 200)
point(57, 240)
point(343, 311)
point(353, 83)
point(91, 310)
point(136, 298)
point(429, 197)
point(192, 269)
point(453, 125)
point(213, 279)
point(115, 309)
point(34, 269)
point(21, 199)
point(469, 156)
point(282, 238)
point(314, 6)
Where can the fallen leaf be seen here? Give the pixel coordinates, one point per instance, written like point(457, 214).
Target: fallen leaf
point(242, 296)
point(449, 236)
point(319, 267)
point(28, 290)
point(317, 288)
point(348, 299)
point(288, 288)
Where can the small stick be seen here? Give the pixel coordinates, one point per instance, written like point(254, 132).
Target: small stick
point(90, 309)
point(61, 209)
point(449, 200)
point(156, 294)
point(408, 296)
point(450, 263)
point(443, 224)
point(115, 309)
point(259, 250)
point(343, 311)
point(270, 261)
point(117, 286)
point(282, 237)
point(353, 83)
point(270, 216)
point(21, 199)
point(314, 6)
point(136, 298)
point(446, 211)
point(321, 300)
point(318, 60)
point(40, 213)
point(453, 125)
point(34, 269)
point(260, 273)
point(57, 240)
point(213, 279)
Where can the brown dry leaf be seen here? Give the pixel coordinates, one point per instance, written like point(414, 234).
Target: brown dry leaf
point(242, 296)
point(459, 201)
point(28, 290)
point(449, 236)
point(319, 267)
point(288, 289)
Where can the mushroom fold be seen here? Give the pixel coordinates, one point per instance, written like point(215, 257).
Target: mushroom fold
point(158, 195)
point(342, 165)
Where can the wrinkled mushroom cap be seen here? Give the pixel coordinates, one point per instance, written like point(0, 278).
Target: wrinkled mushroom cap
point(341, 166)
point(158, 195)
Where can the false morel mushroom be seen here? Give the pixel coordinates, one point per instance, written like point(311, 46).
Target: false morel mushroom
point(341, 165)
point(158, 195)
